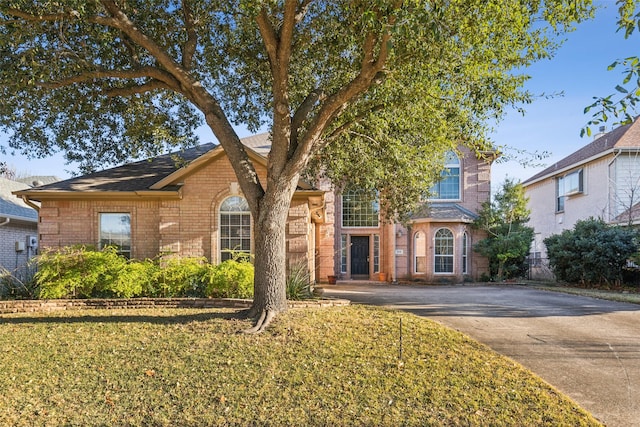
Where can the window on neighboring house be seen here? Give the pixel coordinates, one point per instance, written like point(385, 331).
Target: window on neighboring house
point(568, 185)
point(235, 227)
point(115, 231)
point(443, 251)
point(360, 209)
point(448, 188)
point(420, 252)
point(465, 253)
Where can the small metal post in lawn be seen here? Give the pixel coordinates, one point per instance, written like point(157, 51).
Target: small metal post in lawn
point(400, 354)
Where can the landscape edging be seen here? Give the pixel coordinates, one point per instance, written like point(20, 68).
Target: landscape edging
point(36, 306)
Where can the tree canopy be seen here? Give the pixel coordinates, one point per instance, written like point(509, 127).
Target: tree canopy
point(373, 90)
point(620, 106)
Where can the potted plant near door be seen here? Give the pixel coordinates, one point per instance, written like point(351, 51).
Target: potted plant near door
point(332, 279)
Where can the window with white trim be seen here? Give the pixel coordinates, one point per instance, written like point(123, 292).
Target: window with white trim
point(448, 187)
point(567, 185)
point(360, 209)
point(235, 227)
point(465, 252)
point(115, 231)
point(343, 253)
point(443, 251)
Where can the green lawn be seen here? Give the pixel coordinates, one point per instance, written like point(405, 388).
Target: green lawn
point(313, 367)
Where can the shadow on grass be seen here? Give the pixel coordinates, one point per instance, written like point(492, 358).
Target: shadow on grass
point(161, 318)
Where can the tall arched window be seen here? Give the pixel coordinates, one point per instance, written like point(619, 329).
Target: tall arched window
point(443, 251)
point(420, 252)
point(448, 188)
point(235, 227)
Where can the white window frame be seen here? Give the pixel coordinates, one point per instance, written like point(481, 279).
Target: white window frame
point(437, 255)
point(370, 209)
point(111, 239)
point(452, 162)
point(243, 234)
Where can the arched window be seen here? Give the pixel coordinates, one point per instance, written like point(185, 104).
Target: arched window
point(443, 251)
point(235, 227)
point(448, 188)
point(420, 252)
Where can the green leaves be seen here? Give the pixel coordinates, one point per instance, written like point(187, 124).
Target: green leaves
point(508, 238)
point(592, 252)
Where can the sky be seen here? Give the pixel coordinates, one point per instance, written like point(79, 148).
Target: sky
point(578, 71)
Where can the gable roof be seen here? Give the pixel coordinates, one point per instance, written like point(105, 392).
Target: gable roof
point(12, 207)
point(623, 137)
point(134, 177)
point(159, 176)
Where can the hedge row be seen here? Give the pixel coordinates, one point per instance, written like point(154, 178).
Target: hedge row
point(82, 272)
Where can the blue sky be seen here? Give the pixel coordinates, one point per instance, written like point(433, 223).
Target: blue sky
point(579, 70)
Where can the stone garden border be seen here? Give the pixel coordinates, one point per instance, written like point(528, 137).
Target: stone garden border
point(43, 306)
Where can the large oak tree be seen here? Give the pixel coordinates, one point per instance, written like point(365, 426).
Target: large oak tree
point(370, 90)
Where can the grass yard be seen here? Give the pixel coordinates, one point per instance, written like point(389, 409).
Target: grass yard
point(313, 367)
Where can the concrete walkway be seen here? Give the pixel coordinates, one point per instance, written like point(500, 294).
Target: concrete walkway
point(587, 348)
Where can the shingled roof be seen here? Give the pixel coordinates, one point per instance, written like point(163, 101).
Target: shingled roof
point(147, 178)
point(12, 207)
point(444, 212)
point(131, 177)
point(623, 137)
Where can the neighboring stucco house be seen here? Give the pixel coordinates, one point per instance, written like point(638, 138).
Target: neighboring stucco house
point(18, 227)
point(600, 180)
point(154, 207)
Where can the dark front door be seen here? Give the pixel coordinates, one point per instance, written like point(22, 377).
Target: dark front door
point(360, 256)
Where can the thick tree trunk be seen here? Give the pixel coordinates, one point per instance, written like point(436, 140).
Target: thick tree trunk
point(270, 296)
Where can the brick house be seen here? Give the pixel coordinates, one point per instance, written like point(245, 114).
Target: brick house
point(436, 245)
point(155, 207)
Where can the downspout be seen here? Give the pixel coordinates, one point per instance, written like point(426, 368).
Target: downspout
point(612, 186)
point(30, 203)
point(5, 222)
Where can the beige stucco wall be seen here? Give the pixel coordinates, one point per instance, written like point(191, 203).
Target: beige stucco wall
point(593, 202)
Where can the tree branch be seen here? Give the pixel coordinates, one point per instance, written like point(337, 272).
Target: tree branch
point(150, 72)
point(345, 127)
point(38, 18)
point(190, 45)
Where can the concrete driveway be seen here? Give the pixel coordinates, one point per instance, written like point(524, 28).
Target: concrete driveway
point(587, 348)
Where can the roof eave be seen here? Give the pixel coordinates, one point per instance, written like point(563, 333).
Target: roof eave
point(569, 167)
point(39, 196)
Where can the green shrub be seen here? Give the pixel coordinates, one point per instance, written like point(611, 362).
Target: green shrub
point(182, 277)
point(299, 282)
point(79, 271)
point(591, 253)
point(83, 272)
point(230, 279)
